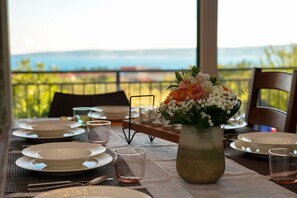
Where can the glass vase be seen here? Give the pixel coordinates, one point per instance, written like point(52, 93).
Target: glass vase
point(200, 156)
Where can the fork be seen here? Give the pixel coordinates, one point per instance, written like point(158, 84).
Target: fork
point(60, 184)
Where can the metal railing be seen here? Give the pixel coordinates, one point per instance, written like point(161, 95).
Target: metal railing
point(33, 91)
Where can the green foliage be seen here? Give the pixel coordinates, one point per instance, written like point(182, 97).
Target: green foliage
point(280, 57)
point(30, 100)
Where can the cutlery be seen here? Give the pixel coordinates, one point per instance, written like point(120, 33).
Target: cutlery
point(60, 184)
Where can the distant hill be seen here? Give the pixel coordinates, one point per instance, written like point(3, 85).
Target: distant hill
point(151, 58)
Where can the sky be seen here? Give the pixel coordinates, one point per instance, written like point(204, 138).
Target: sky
point(60, 25)
point(246, 23)
point(57, 25)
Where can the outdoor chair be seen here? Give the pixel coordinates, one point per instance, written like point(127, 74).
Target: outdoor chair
point(63, 103)
point(257, 114)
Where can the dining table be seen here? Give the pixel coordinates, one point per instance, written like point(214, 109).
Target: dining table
point(246, 175)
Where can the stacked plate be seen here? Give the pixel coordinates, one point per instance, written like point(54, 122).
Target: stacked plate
point(49, 129)
point(112, 112)
point(235, 123)
point(63, 157)
point(261, 142)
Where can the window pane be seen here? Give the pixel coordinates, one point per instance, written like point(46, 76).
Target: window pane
point(155, 33)
point(246, 28)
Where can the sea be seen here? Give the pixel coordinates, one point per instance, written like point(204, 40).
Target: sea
point(142, 59)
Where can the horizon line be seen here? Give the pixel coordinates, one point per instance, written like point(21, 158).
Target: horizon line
point(148, 49)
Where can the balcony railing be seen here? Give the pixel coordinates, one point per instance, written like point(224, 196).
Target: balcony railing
point(33, 91)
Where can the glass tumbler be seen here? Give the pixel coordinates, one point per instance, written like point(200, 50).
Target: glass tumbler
point(81, 114)
point(130, 164)
point(98, 131)
point(283, 165)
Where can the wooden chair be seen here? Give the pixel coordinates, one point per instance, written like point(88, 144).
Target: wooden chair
point(63, 103)
point(258, 114)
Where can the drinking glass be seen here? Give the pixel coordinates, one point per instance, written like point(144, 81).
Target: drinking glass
point(81, 114)
point(283, 165)
point(98, 131)
point(130, 164)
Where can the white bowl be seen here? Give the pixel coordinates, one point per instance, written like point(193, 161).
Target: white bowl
point(28, 124)
point(63, 153)
point(50, 130)
point(113, 111)
point(268, 140)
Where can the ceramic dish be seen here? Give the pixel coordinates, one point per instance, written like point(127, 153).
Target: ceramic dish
point(114, 112)
point(29, 124)
point(113, 109)
point(63, 153)
point(98, 115)
point(93, 192)
point(247, 148)
point(34, 135)
point(45, 127)
point(268, 140)
point(32, 164)
point(47, 130)
point(234, 125)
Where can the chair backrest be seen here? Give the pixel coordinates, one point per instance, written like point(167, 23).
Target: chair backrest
point(63, 103)
point(263, 115)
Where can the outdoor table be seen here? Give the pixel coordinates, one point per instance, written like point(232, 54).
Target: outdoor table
point(245, 175)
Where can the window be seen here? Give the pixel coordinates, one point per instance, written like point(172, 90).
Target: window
point(246, 28)
point(106, 34)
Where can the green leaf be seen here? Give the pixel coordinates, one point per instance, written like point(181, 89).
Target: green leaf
point(213, 80)
point(172, 86)
point(195, 70)
point(178, 77)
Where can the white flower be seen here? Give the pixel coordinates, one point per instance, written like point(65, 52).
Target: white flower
point(199, 100)
point(186, 77)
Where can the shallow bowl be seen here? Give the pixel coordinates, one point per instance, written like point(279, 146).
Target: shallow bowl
point(267, 140)
point(50, 130)
point(63, 153)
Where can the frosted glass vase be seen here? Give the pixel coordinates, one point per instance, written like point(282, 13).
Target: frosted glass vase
point(200, 156)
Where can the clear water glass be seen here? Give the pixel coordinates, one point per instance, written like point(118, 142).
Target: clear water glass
point(283, 165)
point(130, 164)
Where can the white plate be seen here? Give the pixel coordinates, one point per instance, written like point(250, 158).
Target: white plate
point(33, 135)
point(268, 140)
point(64, 153)
point(247, 148)
point(93, 192)
point(234, 125)
point(113, 109)
point(113, 112)
point(29, 124)
point(39, 166)
point(98, 115)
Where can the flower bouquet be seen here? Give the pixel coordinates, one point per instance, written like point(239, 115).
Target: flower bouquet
point(201, 104)
point(199, 99)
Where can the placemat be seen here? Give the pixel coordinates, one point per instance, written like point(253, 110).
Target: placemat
point(18, 143)
point(257, 164)
point(17, 178)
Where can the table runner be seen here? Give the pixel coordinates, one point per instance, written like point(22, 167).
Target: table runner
point(257, 164)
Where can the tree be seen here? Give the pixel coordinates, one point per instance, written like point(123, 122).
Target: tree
point(26, 93)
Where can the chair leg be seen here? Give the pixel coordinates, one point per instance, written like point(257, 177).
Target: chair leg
point(130, 136)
